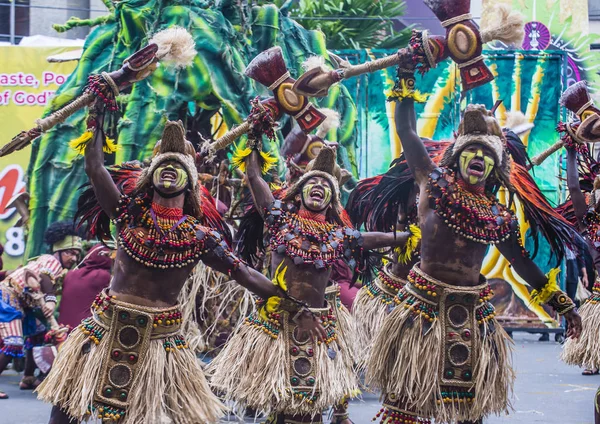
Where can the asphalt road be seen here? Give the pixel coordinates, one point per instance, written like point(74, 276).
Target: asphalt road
point(546, 391)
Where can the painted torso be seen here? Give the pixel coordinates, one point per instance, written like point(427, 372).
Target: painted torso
point(157, 252)
point(457, 227)
point(307, 249)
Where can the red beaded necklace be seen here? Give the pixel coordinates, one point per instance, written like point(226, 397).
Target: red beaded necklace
point(592, 221)
point(476, 216)
point(167, 212)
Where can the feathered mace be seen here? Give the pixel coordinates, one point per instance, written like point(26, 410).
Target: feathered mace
point(425, 51)
point(578, 100)
point(174, 47)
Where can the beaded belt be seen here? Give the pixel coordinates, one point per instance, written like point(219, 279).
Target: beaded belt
point(388, 282)
point(460, 310)
point(129, 329)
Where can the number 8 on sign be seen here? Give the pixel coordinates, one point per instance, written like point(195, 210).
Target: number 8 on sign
point(15, 245)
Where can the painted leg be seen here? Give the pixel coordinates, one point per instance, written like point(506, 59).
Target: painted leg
point(340, 413)
point(57, 416)
point(29, 382)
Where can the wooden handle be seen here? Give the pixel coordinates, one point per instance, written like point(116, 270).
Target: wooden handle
point(26, 137)
point(229, 137)
point(372, 66)
point(537, 160)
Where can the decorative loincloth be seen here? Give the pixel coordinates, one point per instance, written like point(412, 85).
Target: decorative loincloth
point(129, 364)
point(441, 354)
point(585, 350)
point(271, 365)
point(373, 303)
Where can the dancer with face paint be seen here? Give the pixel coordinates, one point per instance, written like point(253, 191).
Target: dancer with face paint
point(441, 353)
point(584, 351)
point(128, 362)
point(279, 368)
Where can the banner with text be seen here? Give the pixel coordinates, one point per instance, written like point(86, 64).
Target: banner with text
point(27, 83)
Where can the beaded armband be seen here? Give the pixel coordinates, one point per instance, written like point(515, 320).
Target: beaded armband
point(552, 295)
point(50, 298)
point(404, 87)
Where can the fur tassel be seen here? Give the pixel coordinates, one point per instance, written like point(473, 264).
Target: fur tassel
point(79, 144)
point(315, 62)
point(509, 27)
point(515, 118)
point(176, 47)
point(543, 295)
point(403, 92)
point(597, 182)
point(331, 122)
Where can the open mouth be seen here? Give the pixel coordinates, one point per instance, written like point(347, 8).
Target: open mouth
point(168, 175)
point(317, 193)
point(476, 168)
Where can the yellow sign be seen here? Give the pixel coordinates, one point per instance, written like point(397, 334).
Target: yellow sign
point(27, 83)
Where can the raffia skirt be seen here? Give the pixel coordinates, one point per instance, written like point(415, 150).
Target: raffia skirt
point(373, 303)
point(270, 365)
point(585, 350)
point(441, 353)
point(129, 364)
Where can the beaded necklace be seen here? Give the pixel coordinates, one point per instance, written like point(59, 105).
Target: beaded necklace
point(476, 216)
point(159, 237)
point(592, 220)
point(311, 241)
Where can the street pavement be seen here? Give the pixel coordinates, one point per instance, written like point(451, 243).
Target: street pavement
point(546, 391)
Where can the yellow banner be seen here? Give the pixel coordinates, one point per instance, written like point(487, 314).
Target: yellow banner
point(27, 83)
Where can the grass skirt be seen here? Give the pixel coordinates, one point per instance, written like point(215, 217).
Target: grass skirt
point(372, 305)
point(271, 366)
point(154, 378)
point(212, 307)
point(585, 350)
point(442, 354)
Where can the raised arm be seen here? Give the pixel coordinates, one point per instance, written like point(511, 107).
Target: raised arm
point(418, 160)
point(577, 196)
point(529, 271)
point(105, 189)
point(376, 240)
point(261, 193)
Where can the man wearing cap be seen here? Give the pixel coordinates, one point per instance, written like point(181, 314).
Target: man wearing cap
point(27, 297)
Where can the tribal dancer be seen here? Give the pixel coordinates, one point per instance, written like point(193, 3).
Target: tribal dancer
point(584, 351)
point(383, 203)
point(27, 298)
point(128, 362)
point(441, 353)
point(270, 364)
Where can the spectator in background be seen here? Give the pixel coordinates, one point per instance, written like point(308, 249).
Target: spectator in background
point(81, 285)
